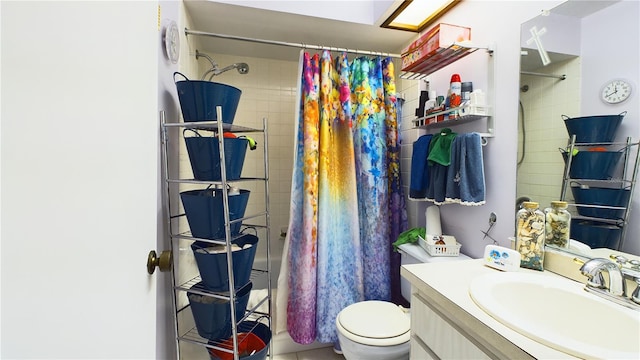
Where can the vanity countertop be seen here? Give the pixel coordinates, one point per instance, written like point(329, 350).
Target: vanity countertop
point(446, 284)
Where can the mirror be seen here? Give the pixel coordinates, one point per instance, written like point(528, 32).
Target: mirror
point(566, 39)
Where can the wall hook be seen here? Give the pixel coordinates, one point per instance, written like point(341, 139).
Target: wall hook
point(492, 221)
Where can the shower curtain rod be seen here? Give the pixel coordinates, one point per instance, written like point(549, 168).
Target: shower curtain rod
point(289, 44)
point(561, 77)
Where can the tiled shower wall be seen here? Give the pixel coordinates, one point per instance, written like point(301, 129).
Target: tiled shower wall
point(268, 91)
point(546, 100)
point(410, 90)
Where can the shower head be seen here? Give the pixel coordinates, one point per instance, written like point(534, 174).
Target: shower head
point(243, 68)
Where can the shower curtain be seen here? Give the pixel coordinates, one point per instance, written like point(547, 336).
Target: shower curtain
point(346, 200)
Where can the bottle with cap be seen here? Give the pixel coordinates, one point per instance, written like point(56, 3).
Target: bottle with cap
point(467, 88)
point(456, 91)
point(455, 97)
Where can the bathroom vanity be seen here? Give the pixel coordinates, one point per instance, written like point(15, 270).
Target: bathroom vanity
point(446, 322)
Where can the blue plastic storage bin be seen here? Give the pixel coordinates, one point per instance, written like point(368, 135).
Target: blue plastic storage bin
point(596, 234)
point(204, 155)
point(593, 129)
point(603, 197)
point(212, 262)
point(597, 165)
point(213, 315)
point(205, 212)
point(199, 99)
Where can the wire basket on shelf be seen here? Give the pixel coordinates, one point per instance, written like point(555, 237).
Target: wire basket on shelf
point(439, 249)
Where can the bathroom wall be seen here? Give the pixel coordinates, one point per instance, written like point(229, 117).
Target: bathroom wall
point(494, 23)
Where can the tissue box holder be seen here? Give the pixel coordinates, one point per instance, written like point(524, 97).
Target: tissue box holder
point(431, 45)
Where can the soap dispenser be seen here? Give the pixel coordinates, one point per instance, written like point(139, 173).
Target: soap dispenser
point(530, 236)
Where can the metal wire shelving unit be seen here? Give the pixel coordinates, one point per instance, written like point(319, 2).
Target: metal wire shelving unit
point(246, 324)
point(626, 180)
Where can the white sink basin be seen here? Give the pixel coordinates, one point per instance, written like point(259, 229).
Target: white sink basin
point(557, 312)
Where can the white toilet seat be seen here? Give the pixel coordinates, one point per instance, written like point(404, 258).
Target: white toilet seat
point(374, 323)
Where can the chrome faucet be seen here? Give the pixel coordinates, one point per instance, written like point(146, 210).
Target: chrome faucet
point(615, 290)
point(593, 268)
point(635, 296)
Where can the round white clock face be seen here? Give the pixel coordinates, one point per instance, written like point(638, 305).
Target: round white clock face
point(616, 91)
point(172, 42)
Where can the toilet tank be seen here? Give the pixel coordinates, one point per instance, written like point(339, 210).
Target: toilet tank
point(414, 254)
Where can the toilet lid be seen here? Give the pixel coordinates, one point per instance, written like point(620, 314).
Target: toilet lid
point(375, 320)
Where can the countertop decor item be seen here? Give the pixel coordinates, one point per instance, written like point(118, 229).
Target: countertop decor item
point(557, 222)
point(530, 236)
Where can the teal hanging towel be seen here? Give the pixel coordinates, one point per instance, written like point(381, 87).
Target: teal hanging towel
point(440, 147)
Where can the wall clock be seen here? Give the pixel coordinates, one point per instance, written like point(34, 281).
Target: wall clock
point(172, 42)
point(615, 91)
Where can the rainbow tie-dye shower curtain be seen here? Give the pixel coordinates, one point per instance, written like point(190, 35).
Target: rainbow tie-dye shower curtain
point(340, 228)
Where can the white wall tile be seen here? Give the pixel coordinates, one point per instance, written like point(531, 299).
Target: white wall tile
point(540, 175)
point(268, 90)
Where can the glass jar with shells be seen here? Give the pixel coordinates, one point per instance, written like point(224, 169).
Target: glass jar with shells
point(558, 224)
point(530, 236)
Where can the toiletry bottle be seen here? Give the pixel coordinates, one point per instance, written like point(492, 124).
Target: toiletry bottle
point(455, 97)
point(530, 236)
point(447, 106)
point(558, 223)
point(466, 88)
point(456, 90)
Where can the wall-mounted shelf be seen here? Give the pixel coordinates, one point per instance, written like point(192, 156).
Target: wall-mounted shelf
point(440, 59)
point(467, 113)
point(429, 122)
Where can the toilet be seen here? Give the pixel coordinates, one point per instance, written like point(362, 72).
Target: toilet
point(380, 330)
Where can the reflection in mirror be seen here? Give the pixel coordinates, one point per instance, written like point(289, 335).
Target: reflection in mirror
point(569, 87)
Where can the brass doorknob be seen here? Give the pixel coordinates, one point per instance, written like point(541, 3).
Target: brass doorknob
point(163, 262)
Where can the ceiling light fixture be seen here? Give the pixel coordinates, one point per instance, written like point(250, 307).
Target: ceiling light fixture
point(417, 15)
